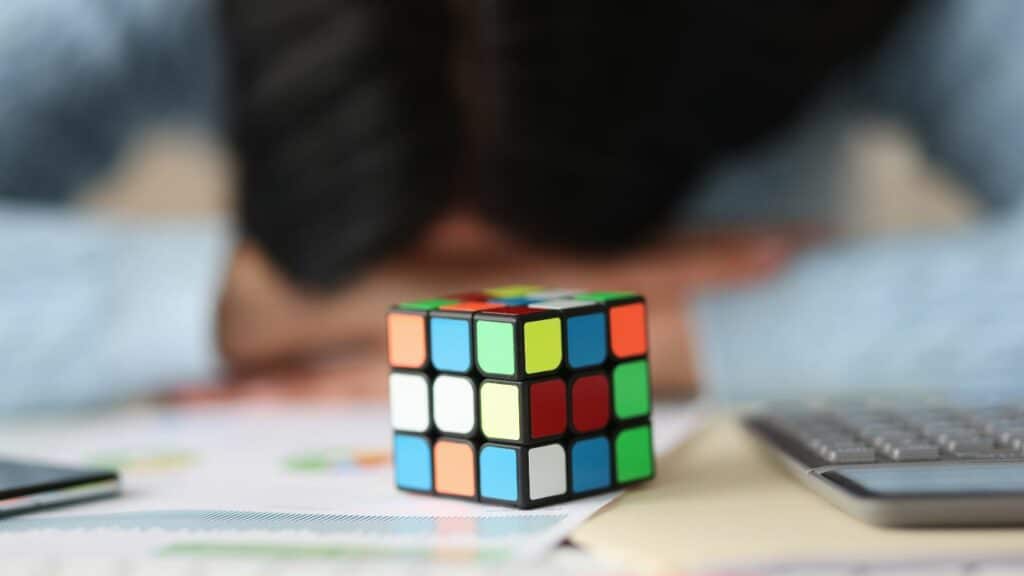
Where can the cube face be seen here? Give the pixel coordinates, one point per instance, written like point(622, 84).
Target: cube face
point(450, 346)
point(591, 402)
point(634, 454)
point(410, 401)
point(407, 340)
point(454, 405)
point(455, 468)
point(591, 465)
point(520, 395)
point(631, 390)
point(413, 462)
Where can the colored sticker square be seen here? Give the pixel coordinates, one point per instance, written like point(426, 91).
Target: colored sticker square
point(547, 471)
point(514, 302)
point(499, 473)
point(449, 344)
point(454, 404)
point(413, 470)
point(628, 326)
point(543, 345)
point(560, 304)
point(554, 294)
point(634, 458)
point(495, 347)
point(407, 340)
point(548, 408)
point(591, 465)
point(591, 403)
point(587, 338)
point(454, 468)
point(471, 306)
point(427, 304)
point(408, 396)
point(499, 411)
point(605, 295)
point(631, 389)
point(512, 290)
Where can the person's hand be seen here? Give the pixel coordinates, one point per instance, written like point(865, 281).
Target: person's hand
point(326, 344)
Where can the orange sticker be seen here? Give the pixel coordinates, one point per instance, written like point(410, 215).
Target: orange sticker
point(407, 340)
point(454, 469)
point(628, 327)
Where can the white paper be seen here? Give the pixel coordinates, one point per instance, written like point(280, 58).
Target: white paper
point(309, 483)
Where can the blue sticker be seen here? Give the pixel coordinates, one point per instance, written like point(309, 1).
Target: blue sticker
point(499, 473)
point(449, 344)
point(413, 468)
point(587, 336)
point(591, 465)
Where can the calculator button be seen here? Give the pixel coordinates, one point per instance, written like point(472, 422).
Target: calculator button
point(967, 444)
point(909, 452)
point(851, 455)
point(987, 455)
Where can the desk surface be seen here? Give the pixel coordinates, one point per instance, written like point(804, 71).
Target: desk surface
point(719, 500)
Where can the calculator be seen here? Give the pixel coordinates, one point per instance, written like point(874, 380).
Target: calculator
point(926, 466)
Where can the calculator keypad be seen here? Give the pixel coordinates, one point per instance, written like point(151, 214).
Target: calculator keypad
point(860, 436)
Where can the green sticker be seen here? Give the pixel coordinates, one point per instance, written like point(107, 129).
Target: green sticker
point(633, 455)
point(606, 296)
point(495, 347)
point(543, 345)
point(631, 389)
point(427, 304)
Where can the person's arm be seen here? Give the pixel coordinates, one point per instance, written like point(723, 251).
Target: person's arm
point(80, 79)
point(93, 309)
point(930, 313)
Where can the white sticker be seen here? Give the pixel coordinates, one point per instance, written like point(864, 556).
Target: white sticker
point(547, 471)
point(410, 406)
point(454, 404)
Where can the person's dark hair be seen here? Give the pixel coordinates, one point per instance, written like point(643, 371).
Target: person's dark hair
point(605, 112)
point(341, 115)
point(592, 117)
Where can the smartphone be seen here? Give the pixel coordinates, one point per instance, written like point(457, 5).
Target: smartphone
point(27, 486)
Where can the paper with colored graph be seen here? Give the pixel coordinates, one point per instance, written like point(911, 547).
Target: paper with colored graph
point(270, 482)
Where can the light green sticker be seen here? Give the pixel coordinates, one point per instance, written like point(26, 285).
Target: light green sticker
point(631, 390)
point(543, 345)
point(427, 304)
point(495, 347)
point(606, 296)
point(634, 458)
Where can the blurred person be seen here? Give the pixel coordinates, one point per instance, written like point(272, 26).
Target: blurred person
point(389, 150)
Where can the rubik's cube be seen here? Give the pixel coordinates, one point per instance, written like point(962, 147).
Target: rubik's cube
point(520, 395)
